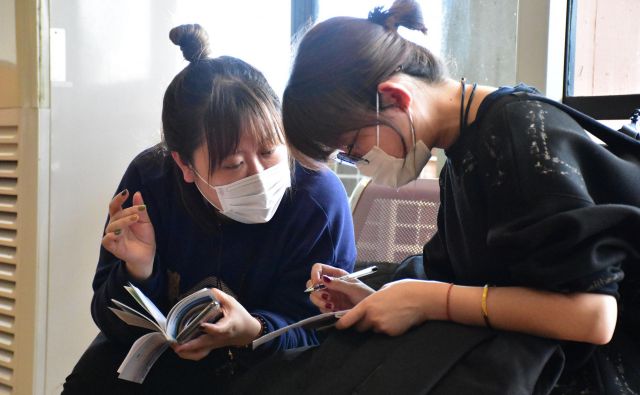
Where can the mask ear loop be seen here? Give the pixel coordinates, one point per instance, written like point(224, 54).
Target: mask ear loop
point(413, 135)
point(200, 190)
point(377, 119)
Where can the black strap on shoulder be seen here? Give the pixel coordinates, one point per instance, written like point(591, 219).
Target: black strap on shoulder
point(615, 139)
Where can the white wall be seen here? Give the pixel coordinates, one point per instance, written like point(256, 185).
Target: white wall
point(117, 63)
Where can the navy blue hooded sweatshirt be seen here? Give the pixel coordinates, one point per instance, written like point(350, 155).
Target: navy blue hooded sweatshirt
point(265, 266)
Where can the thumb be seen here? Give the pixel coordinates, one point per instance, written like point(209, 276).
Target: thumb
point(225, 300)
point(218, 328)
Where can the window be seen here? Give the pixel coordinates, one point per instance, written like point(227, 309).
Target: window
point(602, 68)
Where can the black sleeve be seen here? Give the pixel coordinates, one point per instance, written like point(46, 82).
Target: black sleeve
point(542, 217)
point(111, 275)
point(435, 258)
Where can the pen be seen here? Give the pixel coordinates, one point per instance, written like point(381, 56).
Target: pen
point(350, 276)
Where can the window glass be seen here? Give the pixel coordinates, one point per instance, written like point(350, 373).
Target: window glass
point(605, 53)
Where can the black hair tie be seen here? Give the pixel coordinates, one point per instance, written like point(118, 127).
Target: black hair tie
point(378, 16)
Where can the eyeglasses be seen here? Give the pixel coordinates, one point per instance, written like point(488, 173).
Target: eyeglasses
point(349, 159)
point(354, 160)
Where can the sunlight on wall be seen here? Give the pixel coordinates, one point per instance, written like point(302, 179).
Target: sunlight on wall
point(257, 32)
point(125, 62)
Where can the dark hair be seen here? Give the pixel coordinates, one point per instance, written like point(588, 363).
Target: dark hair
point(337, 68)
point(213, 101)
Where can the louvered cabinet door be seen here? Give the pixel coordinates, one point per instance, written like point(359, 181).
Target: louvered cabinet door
point(9, 260)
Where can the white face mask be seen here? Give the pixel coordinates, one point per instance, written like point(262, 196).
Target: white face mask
point(385, 169)
point(254, 199)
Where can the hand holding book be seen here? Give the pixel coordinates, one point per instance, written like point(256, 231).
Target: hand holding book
point(181, 324)
point(236, 328)
point(317, 322)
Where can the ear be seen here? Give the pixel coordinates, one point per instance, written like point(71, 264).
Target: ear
point(187, 173)
point(393, 92)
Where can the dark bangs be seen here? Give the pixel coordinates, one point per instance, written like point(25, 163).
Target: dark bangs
point(237, 108)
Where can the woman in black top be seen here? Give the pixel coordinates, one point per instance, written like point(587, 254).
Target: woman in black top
point(538, 225)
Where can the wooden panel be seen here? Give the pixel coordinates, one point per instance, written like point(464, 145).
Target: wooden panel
point(8, 220)
point(8, 151)
point(6, 376)
point(9, 117)
point(7, 341)
point(7, 255)
point(7, 306)
point(7, 237)
point(7, 271)
point(7, 323)
point(9, 134)
point(8, 203)
point(7, 288)
point(606, 57)
point(6, 358)
point(9, 168)
point(8, 186)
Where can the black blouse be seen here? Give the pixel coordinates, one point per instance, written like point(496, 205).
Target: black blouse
point(529, 199)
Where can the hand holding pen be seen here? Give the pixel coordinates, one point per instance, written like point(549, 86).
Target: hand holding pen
point(346, 277)
point(333, 289)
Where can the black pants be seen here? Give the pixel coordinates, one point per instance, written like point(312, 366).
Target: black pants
point(438, 358)
point(96, 373)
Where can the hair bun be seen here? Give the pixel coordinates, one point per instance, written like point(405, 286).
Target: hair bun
point(405, 13)
point(193, 41)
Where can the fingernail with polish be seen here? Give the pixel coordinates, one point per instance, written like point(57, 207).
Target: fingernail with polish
point(117, 231)
point(134, 218)
point(326, 278)
point(124, 192)
point(324, 296)
point(142, 207)
point(328, 306)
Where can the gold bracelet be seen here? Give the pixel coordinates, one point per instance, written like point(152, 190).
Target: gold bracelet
point(485, 311)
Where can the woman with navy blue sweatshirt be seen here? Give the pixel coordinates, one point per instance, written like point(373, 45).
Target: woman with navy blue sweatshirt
point(217, 204)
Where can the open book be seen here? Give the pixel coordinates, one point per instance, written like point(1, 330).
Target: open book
point(181, 324)
point(317, 322)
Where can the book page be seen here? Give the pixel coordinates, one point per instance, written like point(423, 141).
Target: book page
point(135, 318)
point(209, 313)
point(195, 301)
point(141, 357)
point(148, 305)
point(320, 321)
